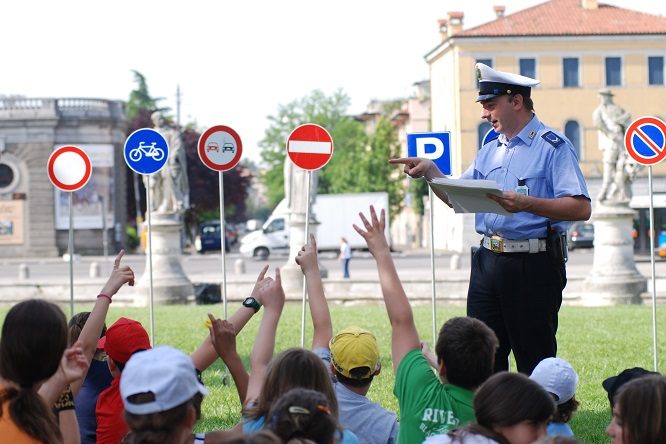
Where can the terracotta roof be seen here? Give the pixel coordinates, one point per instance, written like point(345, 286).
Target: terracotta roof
point(567, 17)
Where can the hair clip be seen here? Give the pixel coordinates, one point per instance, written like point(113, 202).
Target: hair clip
point(323, 408)
point(298, 409)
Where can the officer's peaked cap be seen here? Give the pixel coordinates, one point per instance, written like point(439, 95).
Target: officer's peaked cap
point(493, 83)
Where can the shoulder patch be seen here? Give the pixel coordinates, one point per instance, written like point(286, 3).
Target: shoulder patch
point(553, 139)
point(492, 135)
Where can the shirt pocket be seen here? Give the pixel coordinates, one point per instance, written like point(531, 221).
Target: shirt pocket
point(489, 172)
point(535, 180)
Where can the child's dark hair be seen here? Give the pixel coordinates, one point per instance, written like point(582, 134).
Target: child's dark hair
point(641, 405)
point(566, 410)
point(261, 437)
point(159, 427)
point(303, 414)
point(353, 382)
point(506, 399)
point(34, 337)
point(293, 368)
point(76, 324)
point(467, 348)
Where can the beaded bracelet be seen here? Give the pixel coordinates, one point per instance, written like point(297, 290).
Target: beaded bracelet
point(102, 295)
point(65, 401)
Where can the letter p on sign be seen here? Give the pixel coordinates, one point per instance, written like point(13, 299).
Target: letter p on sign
point(434, 146)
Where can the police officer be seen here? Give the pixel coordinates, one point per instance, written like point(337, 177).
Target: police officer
point(518, 273)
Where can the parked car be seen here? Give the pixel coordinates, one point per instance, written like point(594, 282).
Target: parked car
point(209, 238)
point(580, 235)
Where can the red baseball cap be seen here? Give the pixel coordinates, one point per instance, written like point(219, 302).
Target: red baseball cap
point(123, 338)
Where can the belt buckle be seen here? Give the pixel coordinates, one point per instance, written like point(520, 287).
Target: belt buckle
point(496, 244)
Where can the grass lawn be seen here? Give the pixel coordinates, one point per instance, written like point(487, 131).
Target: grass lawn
point(598, 342)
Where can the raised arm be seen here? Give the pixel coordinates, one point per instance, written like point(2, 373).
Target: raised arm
point(321, 317)
point(204, 356)
point(120, 275)
point(404, 335)
point(262, 352)
point(223, 337)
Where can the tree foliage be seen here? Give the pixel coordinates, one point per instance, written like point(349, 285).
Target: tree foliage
point(359, 163)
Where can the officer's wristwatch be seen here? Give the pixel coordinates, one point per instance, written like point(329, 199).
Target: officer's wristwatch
point(251, 302)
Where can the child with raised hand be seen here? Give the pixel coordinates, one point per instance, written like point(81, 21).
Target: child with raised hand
point(353, 359)
point(510, 409)
point(429, 404)
point(292, 368)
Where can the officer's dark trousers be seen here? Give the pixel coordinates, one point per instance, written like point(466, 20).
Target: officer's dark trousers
point(518, 295)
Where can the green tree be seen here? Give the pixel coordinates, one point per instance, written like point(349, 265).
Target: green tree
point(328, 112)
point(140, 99)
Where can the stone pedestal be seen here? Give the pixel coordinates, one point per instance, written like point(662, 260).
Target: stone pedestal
point(292, 277)
point(614, 277)
point(170, 284)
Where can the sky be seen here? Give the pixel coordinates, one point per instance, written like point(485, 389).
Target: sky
point(235, 61)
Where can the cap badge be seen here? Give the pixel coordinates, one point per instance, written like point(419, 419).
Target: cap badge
point(478, 74)
point(508, 91)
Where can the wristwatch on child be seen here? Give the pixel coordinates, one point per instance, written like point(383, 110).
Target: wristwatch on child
point(251, 302)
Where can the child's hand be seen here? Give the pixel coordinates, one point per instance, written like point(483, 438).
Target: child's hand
point(258, 291)
point(73, 364)
point(374, 232)
point(223, 337)
point(119, 276)
point(272, 293)
point(307, 257)
point(429, 355)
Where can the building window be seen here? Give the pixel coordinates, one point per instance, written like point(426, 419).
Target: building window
point(572, 131)
point(655, 70)
point(483, 129)
point(613, 71)
point(488, 62)
point(528, 68)
point(570, 74)
point(9, 177)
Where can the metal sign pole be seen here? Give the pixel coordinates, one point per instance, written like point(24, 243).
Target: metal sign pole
point(432, 267)
point(223, 243)
point(150, 261)
point(71, 257)
point(654, 287)
point(307, 234)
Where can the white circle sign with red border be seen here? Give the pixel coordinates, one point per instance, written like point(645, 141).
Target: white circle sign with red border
point(310, 146)
point(645, 140)
point(220, 148)
point(69, 168)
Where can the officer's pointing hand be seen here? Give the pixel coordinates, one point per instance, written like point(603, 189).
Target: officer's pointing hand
point(417, 167)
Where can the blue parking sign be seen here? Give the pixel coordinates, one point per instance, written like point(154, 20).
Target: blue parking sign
point(434, 146)
point(146, 151)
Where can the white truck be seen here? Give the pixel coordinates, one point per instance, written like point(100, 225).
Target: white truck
point(336, 213)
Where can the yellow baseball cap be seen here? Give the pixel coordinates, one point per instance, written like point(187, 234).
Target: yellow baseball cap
point(352, 348)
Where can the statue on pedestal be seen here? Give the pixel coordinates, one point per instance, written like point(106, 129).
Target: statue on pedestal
point(295, 187)
point(619, 171)
point(169, 187)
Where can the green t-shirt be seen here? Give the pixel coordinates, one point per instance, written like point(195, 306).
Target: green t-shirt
point(428, 407)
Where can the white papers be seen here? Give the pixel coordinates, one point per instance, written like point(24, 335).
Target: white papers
point(469, 196)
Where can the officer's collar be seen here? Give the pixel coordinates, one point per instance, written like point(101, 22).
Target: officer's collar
point(526, 135)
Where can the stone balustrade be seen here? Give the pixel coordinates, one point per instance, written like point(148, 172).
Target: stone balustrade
point(12, 108)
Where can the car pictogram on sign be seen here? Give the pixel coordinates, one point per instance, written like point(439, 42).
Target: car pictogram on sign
point(212, 146)
point(228, 147)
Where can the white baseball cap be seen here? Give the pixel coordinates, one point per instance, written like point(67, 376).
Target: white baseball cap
point(558, 377)
point(166, 373)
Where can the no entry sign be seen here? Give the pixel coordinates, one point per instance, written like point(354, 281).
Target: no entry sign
point(69, 168)
point(645, 140)
point(220, 148)
point(310, 146)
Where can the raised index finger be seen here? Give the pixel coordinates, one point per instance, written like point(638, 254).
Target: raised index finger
point(262, 273)
point(403, 160)
point(116, 262)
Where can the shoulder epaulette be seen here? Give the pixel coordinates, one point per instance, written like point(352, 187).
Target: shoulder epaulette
point(553, 139)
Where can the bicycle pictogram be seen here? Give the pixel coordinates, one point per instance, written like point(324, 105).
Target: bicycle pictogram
point(151, 151)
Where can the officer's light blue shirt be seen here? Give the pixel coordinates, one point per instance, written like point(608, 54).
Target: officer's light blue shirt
point(545, 160)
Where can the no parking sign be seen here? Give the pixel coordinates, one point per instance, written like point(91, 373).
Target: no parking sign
point(645, 140)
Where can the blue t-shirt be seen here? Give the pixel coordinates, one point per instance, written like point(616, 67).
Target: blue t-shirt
point(559, 429)
point(97, 380)
point(254, 425)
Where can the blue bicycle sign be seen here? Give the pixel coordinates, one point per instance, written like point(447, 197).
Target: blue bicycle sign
point(146, 151)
